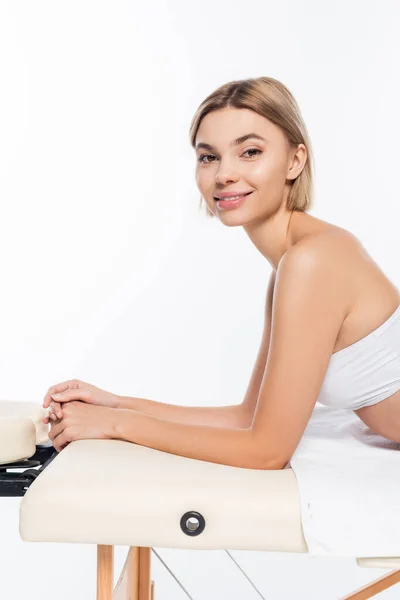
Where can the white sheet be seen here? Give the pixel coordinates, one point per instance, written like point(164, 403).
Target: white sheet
point(349, 485)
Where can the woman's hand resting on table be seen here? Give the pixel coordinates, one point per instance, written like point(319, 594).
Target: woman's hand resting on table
point(82, 421)
point(74, 389)
point(83, 411)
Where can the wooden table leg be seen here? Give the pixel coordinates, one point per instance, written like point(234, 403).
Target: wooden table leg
point(144, 573)
point(377, 586)
point(105, 572)
point(134, 582)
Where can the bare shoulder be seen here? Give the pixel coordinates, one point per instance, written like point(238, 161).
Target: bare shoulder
point(331, 241)
point(332, 249)
point(340, 261)
point(333, 256)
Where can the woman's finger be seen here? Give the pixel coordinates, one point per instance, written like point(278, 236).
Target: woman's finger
point(51, 418)
point(60, 387)
point(55, 412)
point(69, 395)
point(57, 409)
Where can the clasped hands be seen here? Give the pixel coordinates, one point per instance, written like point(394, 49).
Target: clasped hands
point(79, 410)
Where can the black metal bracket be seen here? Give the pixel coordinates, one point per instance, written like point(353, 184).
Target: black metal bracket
point(16, 484)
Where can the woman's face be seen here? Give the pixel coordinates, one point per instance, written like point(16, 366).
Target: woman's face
point(260, 166)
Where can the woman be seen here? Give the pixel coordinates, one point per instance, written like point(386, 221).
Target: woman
point(332, 318)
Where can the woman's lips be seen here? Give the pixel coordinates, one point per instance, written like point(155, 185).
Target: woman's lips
point(232, 196)
point(228, 204)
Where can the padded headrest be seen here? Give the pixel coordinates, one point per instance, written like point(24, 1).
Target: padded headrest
point(21, 429)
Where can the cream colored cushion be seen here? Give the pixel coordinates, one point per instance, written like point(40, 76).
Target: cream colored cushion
point(384, 562)
point(21, 430)
point(120, 493)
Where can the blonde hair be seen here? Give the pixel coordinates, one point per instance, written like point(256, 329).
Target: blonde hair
point(271, 99)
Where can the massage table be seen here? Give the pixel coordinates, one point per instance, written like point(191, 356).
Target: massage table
point(112, 492)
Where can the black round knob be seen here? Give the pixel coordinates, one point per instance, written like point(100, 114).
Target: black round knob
point(31, 473)
point(192, 523)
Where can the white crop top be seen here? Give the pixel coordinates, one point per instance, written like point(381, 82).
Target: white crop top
point(366, 372)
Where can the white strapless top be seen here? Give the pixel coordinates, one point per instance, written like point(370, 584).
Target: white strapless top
point(366, 372)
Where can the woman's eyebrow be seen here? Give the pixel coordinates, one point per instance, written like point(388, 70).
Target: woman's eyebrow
point(236, 142)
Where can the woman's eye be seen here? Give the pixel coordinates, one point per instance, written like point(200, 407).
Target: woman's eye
point(203, 156)
point(253, 150)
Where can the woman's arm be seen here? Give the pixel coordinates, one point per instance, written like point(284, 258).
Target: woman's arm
point(233, 447)
point(233, 416)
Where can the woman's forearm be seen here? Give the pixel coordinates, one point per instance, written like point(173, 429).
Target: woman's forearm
point(217, 416)
point(236, 447)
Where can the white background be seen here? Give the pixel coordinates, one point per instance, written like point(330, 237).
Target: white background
point(109, 272)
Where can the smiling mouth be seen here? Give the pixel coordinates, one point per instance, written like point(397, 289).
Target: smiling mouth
point(232, 197)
